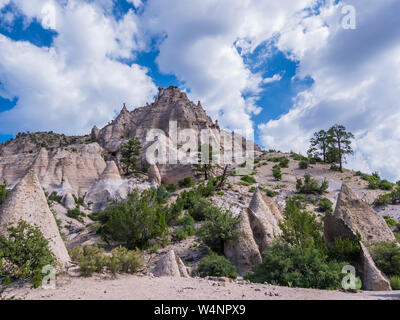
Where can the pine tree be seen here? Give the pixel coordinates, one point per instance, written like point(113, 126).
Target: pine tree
point(340, 144)
point(130, 152)
point(319, 145)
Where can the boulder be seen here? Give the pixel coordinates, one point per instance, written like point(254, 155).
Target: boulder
point(372, 278)
point(352, 218)
point(170, 265)
point(28, 202)
point(68, 201)
point(259, 227)
point(243, 252)
point(352, 215)
point(108, 187)
point(264, 216)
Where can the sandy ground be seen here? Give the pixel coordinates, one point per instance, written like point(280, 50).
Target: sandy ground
point(128, 287)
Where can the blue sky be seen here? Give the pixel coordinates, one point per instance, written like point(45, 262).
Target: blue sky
point(285, 69)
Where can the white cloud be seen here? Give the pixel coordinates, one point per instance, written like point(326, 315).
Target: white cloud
point(201, 44)
point(356, 83)
point(78, 82)
point(3, 3)
point(274, 78)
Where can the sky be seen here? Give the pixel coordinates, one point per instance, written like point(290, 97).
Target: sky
point(282, 68)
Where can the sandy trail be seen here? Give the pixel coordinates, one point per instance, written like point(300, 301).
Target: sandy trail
point(128, 287)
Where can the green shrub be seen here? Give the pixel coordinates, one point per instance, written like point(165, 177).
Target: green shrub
point(93, 259)
point(345, 250)
point(385, 185)
point(162, 194)
point(220, 193)
point(3, 191)
point(133, 222)
point(78, 201)
point(185, 183)
point(276, 172)
point(387, 257)
point(186, 221)
point(201, 209)
point(171, 187)
point(76, 214)
point(311, 186)
point(248, 179)
point(154, 248)
point(218, 227)
point(292, 266)
point(207, 190)
point(312, 161)
point(180, 235)
point(390, 221)
point(298, 157)
point(395, 282)
point(388, 198)
point(217, 266)
point(303, 164)
point(325, 205)
point(123, 260)
point(375, 182)
point(54, 197)
point(90, 259)
point(23, 254)
point(284, 162)
point(382, 200)
point(252, 189)
point(190, 230)
point(301, 228)
point(268, 192)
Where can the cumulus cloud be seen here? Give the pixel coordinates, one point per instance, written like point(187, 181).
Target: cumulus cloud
point(274, 78)
point(79, 81)
point(356, 83)
point(202, 40)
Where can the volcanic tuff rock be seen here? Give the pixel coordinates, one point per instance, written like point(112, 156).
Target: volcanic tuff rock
point(354, 217)
point(76, 167)
point(243, 252)
point(68, 201)
point(80, 160)
point(372, 278)
point(170, 265)
point(264, 216)
point(259, 227)
point(27, 202)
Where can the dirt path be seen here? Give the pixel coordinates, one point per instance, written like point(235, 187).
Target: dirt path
point(128, 287)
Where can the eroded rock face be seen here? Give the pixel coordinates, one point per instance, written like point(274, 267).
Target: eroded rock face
point(259, 227)
point(372, 278)
point(243, 252)
point(111, 187)
point(154, 174)
point(27, 202)
point(68, 201)
point(172, 110)
point(80, 160)
point(79, 165)
point(264, 216)
point(108, 187)
point(170, 265)
point(353, 217)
